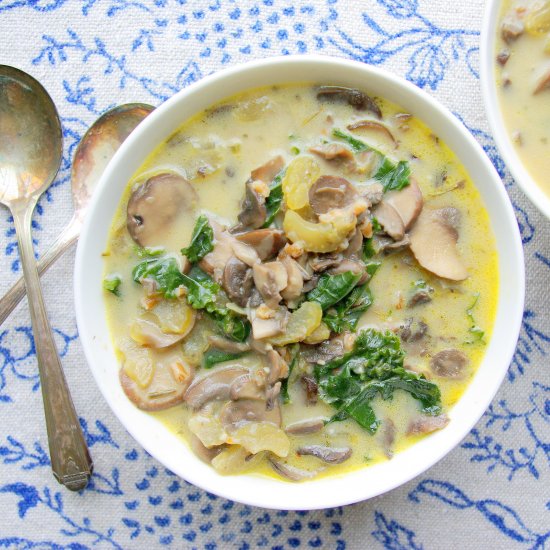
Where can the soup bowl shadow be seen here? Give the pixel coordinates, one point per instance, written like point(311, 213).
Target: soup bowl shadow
point(164, 445)
point(500, 133)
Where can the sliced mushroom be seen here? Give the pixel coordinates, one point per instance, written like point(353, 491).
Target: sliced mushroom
point(330, 455)
point(154, 205)
point(170, 380)
point(147, 333)
point(449, 363)
point(295, 279)
point(408, 202)
point(253, 212)
point(270, 326)
point(270, 278)
point(311, 389)
point(450, 216)
point(214, 386)
point(305, 427)
point(224, 344)
point(278, 367)
point(373, 125)
point(413, 330)
point(235, 413)
point(214, 262)
point(332, 151)
point(322, 262)
point(204, 453)
point(245, 253)
point(511, 28)
point(355, 245)
point(269, 170)
point(357, 267)
point(390, 220)
point(249, 386)
point(329, 192)
point(433, 244)
point(237, 281)
point(420, 296)
point(291, 472)
point(357, 99)
point(266, 242)
point(323, 352)
point(427, 424)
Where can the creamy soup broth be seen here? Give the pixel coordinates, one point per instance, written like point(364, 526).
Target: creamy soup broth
point(216, 151)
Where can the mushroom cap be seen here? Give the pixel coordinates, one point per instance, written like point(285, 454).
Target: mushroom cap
point(449, 363)
point(390, 220)
point(433, 243)
point(266, 242)
point(154, 205)
point(170, 380)
point(237, 281)
point(329, 192)
point(408, 202)
point(214, 386)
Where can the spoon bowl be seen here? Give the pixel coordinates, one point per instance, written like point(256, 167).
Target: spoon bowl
point(30, 137)
point(93, 153)
point(30, 155)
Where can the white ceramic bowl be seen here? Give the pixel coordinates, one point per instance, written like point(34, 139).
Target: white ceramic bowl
point(500, 133)
point(91, 313)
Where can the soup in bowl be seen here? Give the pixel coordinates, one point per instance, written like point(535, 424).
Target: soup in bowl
point(515, 76)
point(300, 283)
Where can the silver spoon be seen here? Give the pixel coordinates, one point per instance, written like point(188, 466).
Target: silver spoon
point(30, 154)
point(94, 151)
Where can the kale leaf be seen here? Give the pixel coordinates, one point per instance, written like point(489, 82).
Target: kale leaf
point(374, 368)
point(112, 284)
point(164, 271)
point(232, 325)
point(201, 241)
point(202, 291)
point(275, 199)
point(213, 356)
point(347, 313)
point(392, 176)
point(333, 288)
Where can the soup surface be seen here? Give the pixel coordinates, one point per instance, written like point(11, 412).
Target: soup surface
point(523, 82)
point(300, 281)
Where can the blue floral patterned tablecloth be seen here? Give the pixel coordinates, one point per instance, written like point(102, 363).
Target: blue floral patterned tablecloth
point(493, 491)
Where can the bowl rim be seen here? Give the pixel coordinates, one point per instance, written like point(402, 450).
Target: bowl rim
point(352, 486)
point(500, 133)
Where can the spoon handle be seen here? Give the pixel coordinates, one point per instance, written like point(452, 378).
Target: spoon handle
point(17, 292)
point(70, 459)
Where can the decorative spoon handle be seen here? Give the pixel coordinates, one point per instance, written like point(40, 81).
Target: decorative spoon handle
point(71, 462)
point(17, 292)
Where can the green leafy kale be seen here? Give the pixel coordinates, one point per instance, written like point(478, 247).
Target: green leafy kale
point(164, 271)
point(477, 332)
point(201, 241)
point(202, 291)
point(295, 357)
point(374, 368)
point(275, 199)
point(333, 288)
point(391, 176)
point(213, 356)
point(112, 284)
point(346, 314)
point(149, 251)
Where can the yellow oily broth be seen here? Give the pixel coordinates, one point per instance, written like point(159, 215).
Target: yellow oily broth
point(294, 119)
point(526, 115)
